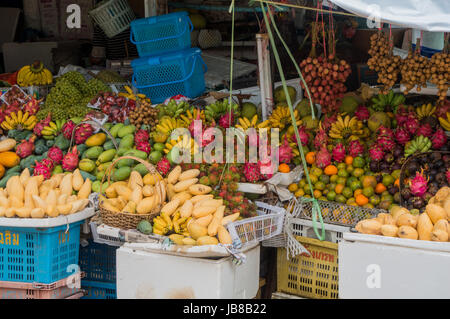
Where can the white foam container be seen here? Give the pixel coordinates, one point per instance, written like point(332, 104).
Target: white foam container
point(378, 267)
point(150, 275)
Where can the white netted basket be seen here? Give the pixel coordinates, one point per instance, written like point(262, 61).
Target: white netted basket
point(113, 16)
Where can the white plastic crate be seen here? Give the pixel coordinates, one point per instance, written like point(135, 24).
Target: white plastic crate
point(158, 275)
point(113, 16)
point(304, 228)
point(103, 234)
point(267, 224)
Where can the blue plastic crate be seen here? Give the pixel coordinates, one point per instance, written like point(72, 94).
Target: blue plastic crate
point(38, 254)
point(98, 262)
point(99, 290)
point(161, 77)
point(161, 34)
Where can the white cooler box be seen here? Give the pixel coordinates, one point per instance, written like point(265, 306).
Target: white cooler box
point(146, 275)
point(377, 267)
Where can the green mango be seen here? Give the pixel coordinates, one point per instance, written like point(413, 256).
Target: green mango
point(126, 162)
point(121, 174)
point(94, 152)
point(100, 175)
point(122, 151)
point(126, 130)
point(115, 129)
point(106, 156)
point(145, 227)
point(87, 165)
point(137, 153)
point(127, 141)
point(103, 166)
point(109, 145)
point(141, 169)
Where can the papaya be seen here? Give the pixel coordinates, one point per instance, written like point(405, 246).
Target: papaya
point(137, 153)
point(127, 141)
point(121, 174)
point(94, 152)
point(86, 165)
point(106, 156)
point(9, 159)
point(115, 129)
point(141, 169)
point(126, 130)
point(96, 140)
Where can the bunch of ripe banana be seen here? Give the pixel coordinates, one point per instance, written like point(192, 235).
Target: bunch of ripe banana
point(130, 95)
point(182, 144)
point(190, 116)
point(425, 110)
point(217, 109)
point(34, 74)
point(167, 125)
point(163, 224)
point(281, 117)
point(245, 123)
point(445, 122)
point(346, 128)
point(20, 121)
point(420, 144)
point(53, 129)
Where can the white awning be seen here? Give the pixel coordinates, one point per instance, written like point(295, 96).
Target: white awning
point(428, 15)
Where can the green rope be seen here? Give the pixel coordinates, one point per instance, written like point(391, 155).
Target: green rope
point(315, 204)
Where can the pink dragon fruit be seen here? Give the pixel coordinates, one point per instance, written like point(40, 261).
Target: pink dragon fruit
point(144, 147)
point(320, 139)
point(67, 129)
point(266, 169)
point(376, 153)
point(252, 172)
point(328, 121)
point(448, 175)
point(339, 153)
point(439, 139)
point(424, 130)
point(163, 166)
point(40, 126)
point(141, 141)
point(412, 124)
point(226, 120)
point(419, 184)
point(26, 148)
point(32, 106)
point(192, 124)
point(285, 152)
point(402, 116)
point(402, 136)
point(385, 132)
point(70, 161)
point(83, 132)
point(55, 154)
point(42, 169)
point(355, 148)
point(323, 157)
point(304, 137)
point(386, 143)
point(362, 113)
point(48, 162)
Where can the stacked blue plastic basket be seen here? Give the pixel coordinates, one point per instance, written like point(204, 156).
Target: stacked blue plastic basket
point(167, 65)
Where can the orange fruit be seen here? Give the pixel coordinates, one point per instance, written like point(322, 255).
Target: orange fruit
point(310, 158)
point(317, 193)
point(284, 168)
point(330, 170)
point(339, 188)
point(357, 192)
point(348, 160)
point(369, 181)
point(361, 200)
point(380, 188)
point(397, 182)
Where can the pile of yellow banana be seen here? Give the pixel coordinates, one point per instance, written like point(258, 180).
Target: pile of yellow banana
point(445, 123)
point(182, 143)
point(19, 121)
point(163, 224)
point(245, 123)
point(425, 110)
point(194, 115)
point(34, 74)
point(348, 127)
point(167, 125)
point(281, 117)
point(52, 130)
point(130, 95)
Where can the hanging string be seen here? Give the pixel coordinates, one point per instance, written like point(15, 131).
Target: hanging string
point(331, 22)
point(323, 32)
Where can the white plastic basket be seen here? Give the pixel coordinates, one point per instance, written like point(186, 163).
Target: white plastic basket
point(103, 234)
point(268, 224)
point(113, 16)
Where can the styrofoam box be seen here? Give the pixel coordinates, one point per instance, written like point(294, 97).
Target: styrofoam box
point(377, 267)
point(145, 275)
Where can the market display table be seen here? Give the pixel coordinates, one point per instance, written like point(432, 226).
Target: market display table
point(375, 267)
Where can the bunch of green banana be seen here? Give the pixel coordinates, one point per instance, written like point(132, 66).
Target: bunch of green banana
point(217, 109)
point(380, 102)
point(53, 129)
point(173, 109)
point(425, 110)
point(163, 224)
point(445, 122)
point(346, 128)
point(420, 144)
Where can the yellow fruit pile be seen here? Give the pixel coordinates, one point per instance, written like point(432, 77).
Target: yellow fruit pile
point(432, 225)
point(19, 120)
point(28, 196)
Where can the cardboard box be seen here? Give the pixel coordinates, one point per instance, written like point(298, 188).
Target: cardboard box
point(86, 31)
point(49, 17)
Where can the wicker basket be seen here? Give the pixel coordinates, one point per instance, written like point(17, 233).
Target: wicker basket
point(127, 220)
